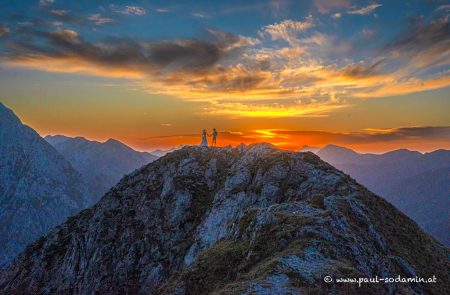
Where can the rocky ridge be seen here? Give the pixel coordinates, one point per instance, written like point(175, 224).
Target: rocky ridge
point(245, 220)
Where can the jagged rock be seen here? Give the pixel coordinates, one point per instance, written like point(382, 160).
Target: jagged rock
point(245, 220)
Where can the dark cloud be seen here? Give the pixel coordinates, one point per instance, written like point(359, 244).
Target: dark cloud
point(61, 44)
point(170, 56)
point(379, 135)
point(361, 70)
point(418, 133)
point(242, 82)
point(422, 35)
point(189, 54)
point(3, 30)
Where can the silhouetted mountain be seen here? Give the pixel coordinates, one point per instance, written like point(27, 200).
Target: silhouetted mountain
point(418, 184)
point(245, 220)
point(102, 164)
point(160, 153)
point(426, 198)
point(38, 187)
point(339, 154)
point(307, 148)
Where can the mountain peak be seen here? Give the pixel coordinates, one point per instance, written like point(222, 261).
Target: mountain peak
point(307, 148)
point(250, 219)
point(2, 106)
point(401, 152)
point(116, 144)
point(38, 187)
point(337, 154)
point(7, 116)
point(261, 147)
point(337, 148)
point(113, 141)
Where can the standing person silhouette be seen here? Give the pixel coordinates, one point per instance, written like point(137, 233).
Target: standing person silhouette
point(214, 137)
point(204, 139)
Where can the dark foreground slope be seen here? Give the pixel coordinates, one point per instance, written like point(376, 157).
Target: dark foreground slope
point(248, 220)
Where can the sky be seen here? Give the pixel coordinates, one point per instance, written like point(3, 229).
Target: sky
point(369, 75)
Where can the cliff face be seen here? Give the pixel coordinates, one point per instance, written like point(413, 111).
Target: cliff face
point(245, 220)
point(38, 187)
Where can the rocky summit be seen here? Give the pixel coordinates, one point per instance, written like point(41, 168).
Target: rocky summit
point(245, 220)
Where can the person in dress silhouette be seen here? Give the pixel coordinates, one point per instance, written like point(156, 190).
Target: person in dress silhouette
point(204, 142)
point(214, 137)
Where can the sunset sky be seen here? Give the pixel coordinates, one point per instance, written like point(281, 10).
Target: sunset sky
point(369, 75)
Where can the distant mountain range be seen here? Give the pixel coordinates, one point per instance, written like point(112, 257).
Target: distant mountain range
point(418, 184)
point(160, 153)
point(38, 187)
point(102, 164)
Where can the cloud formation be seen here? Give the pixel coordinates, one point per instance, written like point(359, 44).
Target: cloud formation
point(287, 29)
point(126, 55)
point(129, 9)
point(336, 15)
point(64, 16)
point(324, 6)
point(46, 2)
point(289, 69)
point(198, 15)
point(98, 19)
point(3, 30)
point(444, 7)
point(364, 10)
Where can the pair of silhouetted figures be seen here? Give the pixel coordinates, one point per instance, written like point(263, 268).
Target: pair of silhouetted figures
point(205, 140)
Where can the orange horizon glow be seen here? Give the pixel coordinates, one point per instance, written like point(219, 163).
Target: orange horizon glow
point(282, 141)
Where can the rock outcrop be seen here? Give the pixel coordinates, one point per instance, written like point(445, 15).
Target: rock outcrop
point(245, 220)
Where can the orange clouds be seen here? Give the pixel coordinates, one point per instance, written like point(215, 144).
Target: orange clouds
point(74, 65)
point(409, 86)
point(240, 76)
point(270, 109)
